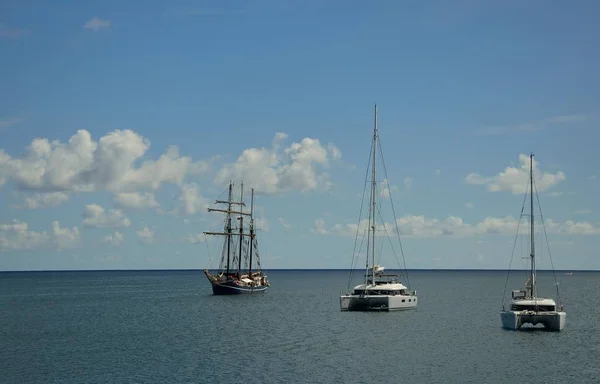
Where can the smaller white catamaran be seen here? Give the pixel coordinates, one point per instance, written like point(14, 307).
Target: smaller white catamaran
point(525, 306)
point(380, 291)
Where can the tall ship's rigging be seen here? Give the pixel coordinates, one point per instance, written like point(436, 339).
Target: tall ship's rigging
point(239, 269)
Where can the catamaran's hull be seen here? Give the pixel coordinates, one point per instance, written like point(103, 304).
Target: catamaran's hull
point(553, 321)
point(377, 302)
point(231, 288)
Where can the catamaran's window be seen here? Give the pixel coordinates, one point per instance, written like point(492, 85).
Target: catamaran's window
point(403, 300)
point(515, 307)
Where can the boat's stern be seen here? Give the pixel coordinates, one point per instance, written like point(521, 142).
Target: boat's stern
point(509, 320)
point(344, 302)
point(552, 321)
point(561, 321)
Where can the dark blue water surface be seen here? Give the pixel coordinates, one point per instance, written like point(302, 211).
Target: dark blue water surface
point(166, 327)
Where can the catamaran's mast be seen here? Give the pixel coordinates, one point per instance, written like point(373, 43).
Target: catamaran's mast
point(373, 196)
point(229, 225)
point(241, 219)
point(532, 226)
point(251, 242)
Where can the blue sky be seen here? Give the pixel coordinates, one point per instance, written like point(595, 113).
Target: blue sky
point(119, 122)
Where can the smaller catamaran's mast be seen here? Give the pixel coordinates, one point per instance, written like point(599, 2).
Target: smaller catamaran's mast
point(373, 196)
point(532, 227)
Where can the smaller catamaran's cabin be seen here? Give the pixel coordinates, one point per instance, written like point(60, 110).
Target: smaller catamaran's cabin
point(521, 302)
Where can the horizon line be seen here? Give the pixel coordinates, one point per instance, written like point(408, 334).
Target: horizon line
point(293, 269)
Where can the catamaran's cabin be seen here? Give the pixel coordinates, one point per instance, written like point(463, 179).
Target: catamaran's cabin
point(381, 291)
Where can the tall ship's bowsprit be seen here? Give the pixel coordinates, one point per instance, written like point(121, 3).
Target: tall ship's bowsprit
point(239, 269)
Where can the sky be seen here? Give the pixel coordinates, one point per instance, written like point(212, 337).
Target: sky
point(121, 122)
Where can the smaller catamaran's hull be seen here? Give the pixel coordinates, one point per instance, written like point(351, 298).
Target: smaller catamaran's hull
point(553, 321)
point(377, 302)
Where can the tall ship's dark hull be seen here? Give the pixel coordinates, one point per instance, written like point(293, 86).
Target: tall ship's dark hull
point(232, 289)
point(235, 286)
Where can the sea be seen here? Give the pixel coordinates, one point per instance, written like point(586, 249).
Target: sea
point(167, 327)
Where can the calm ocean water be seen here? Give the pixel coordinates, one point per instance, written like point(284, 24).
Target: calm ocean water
point(166, 327)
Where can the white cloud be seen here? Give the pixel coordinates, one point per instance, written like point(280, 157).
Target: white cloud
point(261, 224)
point(284, 223)
point(592, 177)
point(438, 172)
point(170, 167)
point(84, 165)
point(116, 238)
point(319, 227)
point(387, 189)
point(421, 227)
point(334, 152)
point(191, 200)
point(515, 180)
point(145, 235)
point(136, 200)
point(571, 227)
point(64, 238)
point(555, 194)
point(194, 238)
point(96, 216)
point(97, 24)
point(44, 200)
point(274, 170)
point(469, 205)
point(4, 167)
point(408, 183)
point(17, 236)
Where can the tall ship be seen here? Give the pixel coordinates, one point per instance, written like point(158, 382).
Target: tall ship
point(379, 291)
point(526, 307)
point(239, 268)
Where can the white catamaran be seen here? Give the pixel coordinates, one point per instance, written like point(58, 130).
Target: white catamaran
point(236, 273)
point(525, 306)
point(379, 291)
